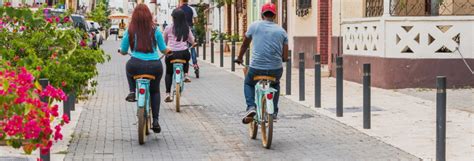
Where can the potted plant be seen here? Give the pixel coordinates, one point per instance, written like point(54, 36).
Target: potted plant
point(238, 42)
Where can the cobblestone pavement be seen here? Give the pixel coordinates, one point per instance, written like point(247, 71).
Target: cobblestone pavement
point(209, 126)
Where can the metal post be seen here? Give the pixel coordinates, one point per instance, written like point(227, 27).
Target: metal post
point(339, 89)
point(317, 80)
point(44, 82)
point(212, 51)
point(233, 56)
point(204, 49)
point(247, 57)
point(441, 118)
point(221, 52)
point(288, 74)
point(301, 74)
point(366, 99)
point(67, 105)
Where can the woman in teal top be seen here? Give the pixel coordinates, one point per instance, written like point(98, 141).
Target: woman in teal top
point(142, 38)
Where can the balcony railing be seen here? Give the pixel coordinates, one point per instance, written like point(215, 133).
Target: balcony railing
point(409, 37)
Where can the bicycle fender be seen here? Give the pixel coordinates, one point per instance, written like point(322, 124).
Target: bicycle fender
point(142, 98)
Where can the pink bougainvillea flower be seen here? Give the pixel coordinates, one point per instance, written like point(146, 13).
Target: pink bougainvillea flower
point(54, 111)
point(38, 68)
point(83, 43)
point(49, 20)
point(57, 19)
point(57, 133)
point(66, 119)
point(54, 55)
point(22, 28)
point(63, 83)
point(66, 19)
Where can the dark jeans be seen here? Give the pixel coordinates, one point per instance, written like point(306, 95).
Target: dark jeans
point(249, 86)
point(193, 50)
point(137, 66)
point(169, 67)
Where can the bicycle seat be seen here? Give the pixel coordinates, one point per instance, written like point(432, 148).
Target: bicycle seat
point(264, 77)
point(182, 61)
point(144, 76)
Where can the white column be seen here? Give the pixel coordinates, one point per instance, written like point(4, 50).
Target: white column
point(386, 7)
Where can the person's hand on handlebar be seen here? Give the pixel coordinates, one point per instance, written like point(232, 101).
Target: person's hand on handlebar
point(167, 52)
point(123, 53)
point(239, 60)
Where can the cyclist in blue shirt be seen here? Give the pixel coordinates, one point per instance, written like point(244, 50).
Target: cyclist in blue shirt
point(270, 49)
point(142, 38)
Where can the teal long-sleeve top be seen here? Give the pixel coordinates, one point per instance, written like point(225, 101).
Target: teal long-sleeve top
point(155, 55)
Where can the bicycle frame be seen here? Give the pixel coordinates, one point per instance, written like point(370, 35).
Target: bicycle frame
point(178, 75)
point(263, 90)
point(143, 94)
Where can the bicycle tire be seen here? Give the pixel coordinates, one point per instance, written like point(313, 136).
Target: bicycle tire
point(141, 126)
point(178, 94)
point(253, 128)
point(267, 121)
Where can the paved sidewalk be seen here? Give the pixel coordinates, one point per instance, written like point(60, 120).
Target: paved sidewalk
point(209, 126)
point(403, 118)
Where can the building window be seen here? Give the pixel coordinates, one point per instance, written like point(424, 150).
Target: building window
point(373, 8)
point(431, 7)
point(304, 4)
point(303, 7)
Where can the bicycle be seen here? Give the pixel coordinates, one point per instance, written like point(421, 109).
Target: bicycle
point(143, 103)
point(178, 80)
point(264, 94)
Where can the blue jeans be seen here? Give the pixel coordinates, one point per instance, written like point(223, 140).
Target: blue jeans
point(249, 85)
point(193, 50)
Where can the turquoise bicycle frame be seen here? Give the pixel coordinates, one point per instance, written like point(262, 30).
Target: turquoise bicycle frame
point(178, 75)
point(264, 91)
point(143, 94)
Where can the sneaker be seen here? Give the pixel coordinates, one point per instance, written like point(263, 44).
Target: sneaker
point(249, 115)
point(275, 118)
point(156, 126)
point(187, 80)
point(168, 98)
point(131, 97)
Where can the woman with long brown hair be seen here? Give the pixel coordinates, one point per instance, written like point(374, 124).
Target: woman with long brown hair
point(142, 38)
point(177, 36)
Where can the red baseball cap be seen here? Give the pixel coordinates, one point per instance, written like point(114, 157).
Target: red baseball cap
point(269, 7)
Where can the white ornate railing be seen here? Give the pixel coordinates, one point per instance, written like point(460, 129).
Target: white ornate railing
point(409, 37)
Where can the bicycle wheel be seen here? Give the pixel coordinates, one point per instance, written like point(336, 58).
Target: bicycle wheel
point(178, 94)
point(253, 128)
point(141, 125)
point(266, 126)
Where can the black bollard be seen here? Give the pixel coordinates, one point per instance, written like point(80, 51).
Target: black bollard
point(339, 104)
point(441, 118)
point(288, 74)
point(204, 46)
point(44, 82)
point(301, 73)
point(233, 56)
point(317, 80)
point(221, 53)
point(247, 57)
point(67, 105)
point(212, 51)
point(366, 99)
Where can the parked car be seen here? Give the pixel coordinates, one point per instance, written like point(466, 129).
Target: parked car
point(96, 27)
point(114, 29)
point(80, 22)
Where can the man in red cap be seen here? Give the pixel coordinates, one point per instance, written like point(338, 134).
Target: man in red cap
point(270, 49)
